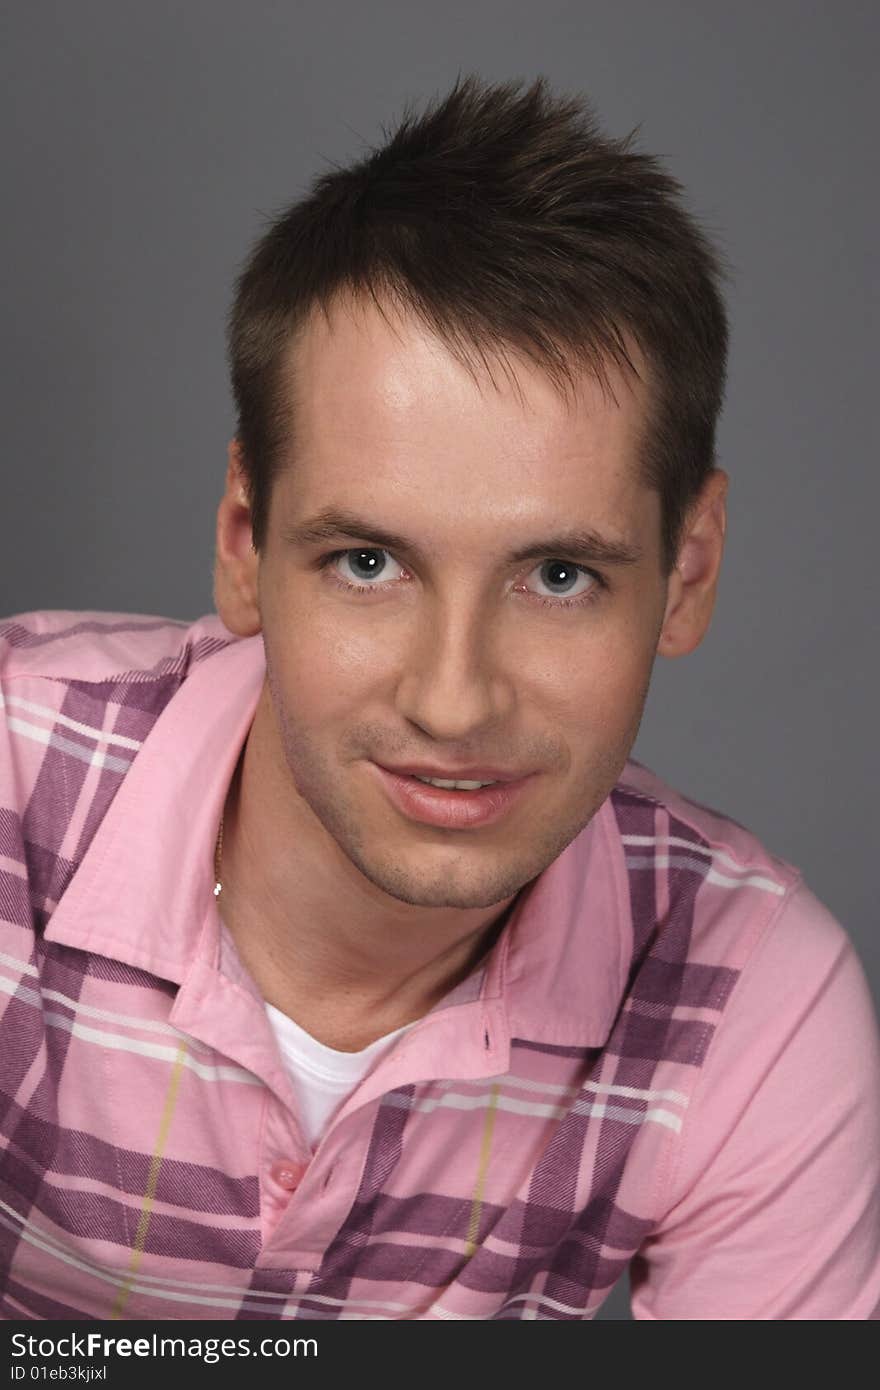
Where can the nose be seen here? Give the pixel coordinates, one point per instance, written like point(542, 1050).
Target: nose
point(452, 683)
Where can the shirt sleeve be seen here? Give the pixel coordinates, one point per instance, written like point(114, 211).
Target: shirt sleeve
point(773, 1203)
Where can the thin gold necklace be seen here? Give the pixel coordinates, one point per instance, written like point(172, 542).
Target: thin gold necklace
point(218, 848)
point(218, 851)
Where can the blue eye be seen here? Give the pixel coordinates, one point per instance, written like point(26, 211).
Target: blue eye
point(560, 575)
point(561, 578)
point(366, 564)
point(363, 564)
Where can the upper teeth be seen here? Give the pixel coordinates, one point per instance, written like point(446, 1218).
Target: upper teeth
point(460, 786)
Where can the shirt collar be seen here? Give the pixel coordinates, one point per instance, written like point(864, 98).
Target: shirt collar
point(143, 893)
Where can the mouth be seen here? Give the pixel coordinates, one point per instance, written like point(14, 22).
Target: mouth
point(463, 802)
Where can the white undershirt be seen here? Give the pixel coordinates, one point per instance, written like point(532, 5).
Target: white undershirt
point(322, 1078)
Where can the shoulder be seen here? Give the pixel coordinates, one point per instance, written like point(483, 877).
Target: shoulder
point(641, 797)
point(88, 687)
point(720, 924)
point(63, 645)
point(79, 694)
point(701, 872)
point(754, 952)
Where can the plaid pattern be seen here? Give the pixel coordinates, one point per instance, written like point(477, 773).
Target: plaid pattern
point(506, 1160)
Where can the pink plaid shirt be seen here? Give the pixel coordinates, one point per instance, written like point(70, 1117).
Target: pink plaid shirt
point(669, 1060)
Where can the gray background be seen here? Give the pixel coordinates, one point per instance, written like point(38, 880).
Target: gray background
point(145, 144)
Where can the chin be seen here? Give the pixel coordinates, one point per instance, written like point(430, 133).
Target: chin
point(462, 879)
point(456, 885)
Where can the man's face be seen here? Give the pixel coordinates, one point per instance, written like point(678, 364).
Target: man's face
point(442, 652)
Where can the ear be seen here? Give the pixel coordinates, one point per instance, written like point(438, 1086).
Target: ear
point(694, 580)
point(236, 562)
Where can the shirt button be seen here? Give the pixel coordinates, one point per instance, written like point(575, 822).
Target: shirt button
point(288, 1174)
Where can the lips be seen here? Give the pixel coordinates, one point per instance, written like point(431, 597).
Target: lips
point(464, 774)
point(445, 807)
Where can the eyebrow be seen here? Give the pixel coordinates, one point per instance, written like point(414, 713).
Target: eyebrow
point(578, 544)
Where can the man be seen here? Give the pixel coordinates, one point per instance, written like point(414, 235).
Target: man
point(351, 969)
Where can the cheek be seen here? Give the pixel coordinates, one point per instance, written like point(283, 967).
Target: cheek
point(321, 662)
point(604, 688)
point(609, 660)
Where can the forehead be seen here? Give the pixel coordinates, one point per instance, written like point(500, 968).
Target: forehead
point(379, 405)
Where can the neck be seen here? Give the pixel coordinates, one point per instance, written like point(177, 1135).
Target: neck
point(323, 943)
